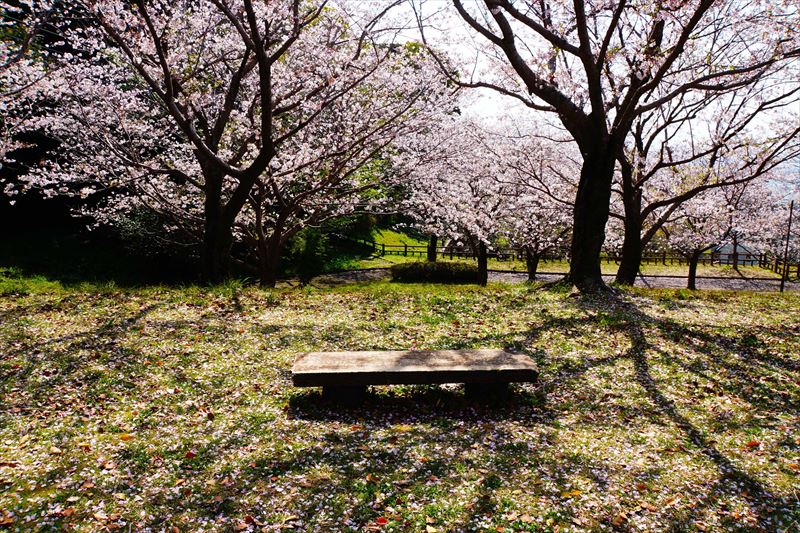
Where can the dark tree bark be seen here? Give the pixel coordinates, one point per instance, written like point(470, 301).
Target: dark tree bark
point(216, 253)
point(531, 262)
point(432, 242)
point(483, 264)
point(590, 218)
point(694, 258)
point(269, 256)
point(632, 244)
point(217, 233)
point(269, 244)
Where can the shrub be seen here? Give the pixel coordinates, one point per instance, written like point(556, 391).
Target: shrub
point(308, 254)
point(438, 272)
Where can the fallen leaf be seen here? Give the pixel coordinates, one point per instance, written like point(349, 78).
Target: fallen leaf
point(526, 519)
point(250, 519)
point(620, 519)
point(191, 454)
point(55, 451)
point(126, 437)
point(6, 518)
point(752, 444)
point(381, 521)
point(648, 506)
point(431, 529)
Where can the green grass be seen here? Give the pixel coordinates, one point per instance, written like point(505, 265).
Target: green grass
point(395, 238)
point(158, 407)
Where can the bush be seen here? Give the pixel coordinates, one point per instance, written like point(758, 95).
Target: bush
point(308, 254)
point(438, 272)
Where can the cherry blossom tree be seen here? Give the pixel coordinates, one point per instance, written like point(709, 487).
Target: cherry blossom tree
point(745, 211)
point(230, 118)
point(599, 66)
point(690, 145)
point(24, 68)
point(541, 172)
point(479, 182)
point(337, 164)
point(453, 186)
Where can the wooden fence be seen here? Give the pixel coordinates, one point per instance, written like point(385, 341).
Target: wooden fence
point(771, 262)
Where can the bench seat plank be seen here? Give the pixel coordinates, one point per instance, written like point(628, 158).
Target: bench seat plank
point(325, 369)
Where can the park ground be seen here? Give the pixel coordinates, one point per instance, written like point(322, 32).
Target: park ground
point(171, 408)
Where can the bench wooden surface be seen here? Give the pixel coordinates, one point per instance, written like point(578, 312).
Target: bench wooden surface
point(358, 369)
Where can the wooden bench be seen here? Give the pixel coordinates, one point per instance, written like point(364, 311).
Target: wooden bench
point(344, 376)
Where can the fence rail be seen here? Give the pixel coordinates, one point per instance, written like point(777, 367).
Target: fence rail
point(773, 262)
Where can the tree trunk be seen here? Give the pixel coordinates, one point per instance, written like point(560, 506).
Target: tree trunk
point(694, 258)
point(483, 264)
point(532, 263)
point(735, 253)
point(589, 220)
point(432, 242)
point(631, 260)
point(217, 239)
point(269, 255)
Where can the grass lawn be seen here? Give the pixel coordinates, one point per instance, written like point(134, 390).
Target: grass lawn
point(171, 409)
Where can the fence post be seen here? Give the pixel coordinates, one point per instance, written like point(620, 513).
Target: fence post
point(405, 249)
point(383, 248)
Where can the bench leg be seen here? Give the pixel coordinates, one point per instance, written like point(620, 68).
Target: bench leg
point(486, 391)
point(346, 395)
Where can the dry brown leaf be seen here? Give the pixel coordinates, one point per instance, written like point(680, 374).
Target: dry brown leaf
point(648, 506)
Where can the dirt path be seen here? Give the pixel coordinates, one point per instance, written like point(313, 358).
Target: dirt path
point(732, 284)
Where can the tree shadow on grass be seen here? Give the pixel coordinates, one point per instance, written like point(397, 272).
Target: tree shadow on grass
point(720, 351)
point(64, 353)
point(428, 450)
point(763, 502)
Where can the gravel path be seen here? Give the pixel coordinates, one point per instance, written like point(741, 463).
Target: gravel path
point(660, 282)
point(732, 284)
